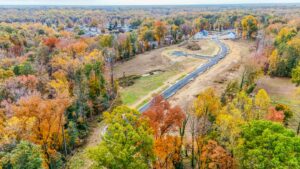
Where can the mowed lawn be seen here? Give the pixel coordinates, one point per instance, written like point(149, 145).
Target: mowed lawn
point(144, 85)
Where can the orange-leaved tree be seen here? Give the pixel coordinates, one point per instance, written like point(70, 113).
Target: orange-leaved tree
point(163, 118)
point(274, 115)
point(214, 156)
point(166, 121)
point(41, 121)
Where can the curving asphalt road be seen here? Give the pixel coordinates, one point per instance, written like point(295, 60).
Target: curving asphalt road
point(200, 70)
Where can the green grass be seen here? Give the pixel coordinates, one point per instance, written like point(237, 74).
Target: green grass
point(148, 99)
point(144, 102)
point(144, 86)
point(77, 161)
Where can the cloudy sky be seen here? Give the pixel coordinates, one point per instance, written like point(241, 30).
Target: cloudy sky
point(135, 2)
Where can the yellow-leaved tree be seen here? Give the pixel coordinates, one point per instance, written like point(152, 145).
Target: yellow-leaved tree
point(249, 26)
point(206, 108)
point(262, 103)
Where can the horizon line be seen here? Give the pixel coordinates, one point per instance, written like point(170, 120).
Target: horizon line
point(104, 5)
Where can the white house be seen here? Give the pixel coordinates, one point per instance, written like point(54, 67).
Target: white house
point(230, 35)
point(200, 35)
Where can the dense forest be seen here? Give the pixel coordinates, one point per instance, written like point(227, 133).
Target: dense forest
point(57, 77)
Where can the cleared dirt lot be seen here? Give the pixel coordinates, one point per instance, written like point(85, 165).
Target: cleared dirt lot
point(168, 69)
point(143, 63)
point(159, 59)
point(208, 48)
point(218, 76)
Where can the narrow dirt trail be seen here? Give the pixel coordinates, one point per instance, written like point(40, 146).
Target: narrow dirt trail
point(79, 159)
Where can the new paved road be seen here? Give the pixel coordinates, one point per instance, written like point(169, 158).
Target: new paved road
point(200, 70)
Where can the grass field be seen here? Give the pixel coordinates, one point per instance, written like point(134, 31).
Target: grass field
point(145, 85)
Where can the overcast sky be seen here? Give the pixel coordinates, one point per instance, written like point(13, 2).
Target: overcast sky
point(135, 2)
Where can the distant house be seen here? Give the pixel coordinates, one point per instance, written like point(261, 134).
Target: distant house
point(200, 35)
point(204, 32)
point(92, 31)
point(169, 39)
point(69, 29)
point(230, 35)
point(153, 44)
point(118, 28)
point(2, 53)
point(126, 28)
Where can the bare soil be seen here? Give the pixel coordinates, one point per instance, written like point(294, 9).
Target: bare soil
point(218, 76)
point(277, 86)
point(159, 59)
point(143, 63)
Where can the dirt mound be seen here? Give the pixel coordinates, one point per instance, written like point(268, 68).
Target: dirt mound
point(128, 80)
point(193, 46)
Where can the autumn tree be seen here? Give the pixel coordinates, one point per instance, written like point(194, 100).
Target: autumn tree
point(288, 113)
point(165, 120)
point(175, 32)
point(51, 42)
point(78, 49)
point(146, 35)
point(167, 150)
point(214, 156)
point(60, 83)
point(160, 30)
point(284, 35)
point(16, 87)
point(286, 54)
point(106, 41)
point(207, 105)
point(201, 24)
point(228, 124)
point(249, 25)
point(205, 109)
point(127, 142)
point(186, 30)
point(125, 45)
point(274, 115)
point(41, 121)
point(262, 103)
point(4, 74)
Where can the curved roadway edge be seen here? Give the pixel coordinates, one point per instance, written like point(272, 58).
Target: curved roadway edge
point(190, 77)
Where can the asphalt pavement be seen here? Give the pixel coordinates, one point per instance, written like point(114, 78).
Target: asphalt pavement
point(191, 76)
